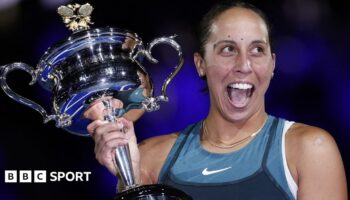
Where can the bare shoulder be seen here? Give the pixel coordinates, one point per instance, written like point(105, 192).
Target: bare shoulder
point(302, 137)
point(309, 136)
point(153, 153)
point(315, 163)
point(157, 143)
point(305, 143)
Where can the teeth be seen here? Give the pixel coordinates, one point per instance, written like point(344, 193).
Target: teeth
point(241, 86)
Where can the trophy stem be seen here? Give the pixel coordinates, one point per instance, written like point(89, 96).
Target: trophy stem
point(123, 161)
point(122, 153)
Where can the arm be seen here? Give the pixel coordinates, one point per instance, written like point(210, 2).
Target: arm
point(153, 153)
point(315, 163)
point(147, 158)
point(107, 137)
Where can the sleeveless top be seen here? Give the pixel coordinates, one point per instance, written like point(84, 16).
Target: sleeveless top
point(253, 172)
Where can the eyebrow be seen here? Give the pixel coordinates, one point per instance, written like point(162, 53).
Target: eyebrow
point(224, 41)
point(260, 42)
point(233, 42)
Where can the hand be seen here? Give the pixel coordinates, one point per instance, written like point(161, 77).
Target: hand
point(109, 136)
point(95, 111)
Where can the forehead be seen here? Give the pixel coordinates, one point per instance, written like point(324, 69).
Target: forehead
point(239, 23)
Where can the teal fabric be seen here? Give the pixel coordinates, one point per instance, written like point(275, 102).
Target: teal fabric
point(188, 159)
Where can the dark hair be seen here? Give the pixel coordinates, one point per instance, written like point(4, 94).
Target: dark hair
point(208, 19)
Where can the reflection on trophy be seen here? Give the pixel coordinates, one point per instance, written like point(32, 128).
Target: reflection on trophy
point(91, 64)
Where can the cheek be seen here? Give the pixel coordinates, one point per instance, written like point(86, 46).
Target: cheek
point(217, 73)
point(264, 75)
point(263, 68)
point(218, 66)
point(215, 78)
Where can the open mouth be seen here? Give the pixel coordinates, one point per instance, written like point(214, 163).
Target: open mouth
point(240, 93)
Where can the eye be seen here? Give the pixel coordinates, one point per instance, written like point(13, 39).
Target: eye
point(258, 50)
point(228, 50)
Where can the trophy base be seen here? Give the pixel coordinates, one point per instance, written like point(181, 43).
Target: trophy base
point(153, 192)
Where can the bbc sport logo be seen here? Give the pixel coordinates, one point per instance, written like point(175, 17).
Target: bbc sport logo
point(42, 176)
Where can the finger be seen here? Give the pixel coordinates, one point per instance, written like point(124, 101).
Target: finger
point(116, 103)
point(96, 108)
point(102, 150)
point(108, 132)
point(108, 128)
point(106, 152)
point(128, 127)
point(95, 111)
point(91, 128)
point(125, 123)
point(111, 145)
point(115, 135)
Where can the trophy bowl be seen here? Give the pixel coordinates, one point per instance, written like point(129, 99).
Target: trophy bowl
point(90, 64)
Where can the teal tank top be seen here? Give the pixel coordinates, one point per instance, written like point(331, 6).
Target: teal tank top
point(253, 172)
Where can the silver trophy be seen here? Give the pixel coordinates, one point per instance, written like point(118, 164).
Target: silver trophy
point(90, 64)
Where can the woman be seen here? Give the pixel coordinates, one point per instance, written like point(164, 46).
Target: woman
point(238, 151)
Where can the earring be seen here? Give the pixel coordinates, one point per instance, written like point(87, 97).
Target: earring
point(272, 75)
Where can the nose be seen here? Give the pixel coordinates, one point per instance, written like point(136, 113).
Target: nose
point(243, 64)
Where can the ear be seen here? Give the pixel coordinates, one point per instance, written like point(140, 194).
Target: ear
point(200, 64)
point(273, 56)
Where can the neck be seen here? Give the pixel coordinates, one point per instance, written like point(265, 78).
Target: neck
point(222, 131)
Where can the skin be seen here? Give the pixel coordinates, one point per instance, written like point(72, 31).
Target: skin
point(237, 50)
point(95, 111)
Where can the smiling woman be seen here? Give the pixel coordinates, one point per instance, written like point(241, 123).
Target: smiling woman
point(238, 151)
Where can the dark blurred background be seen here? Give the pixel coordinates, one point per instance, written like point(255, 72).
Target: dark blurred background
point(311, 82)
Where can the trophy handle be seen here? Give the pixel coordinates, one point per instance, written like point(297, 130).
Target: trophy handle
point(151, 103)
point(61, 120)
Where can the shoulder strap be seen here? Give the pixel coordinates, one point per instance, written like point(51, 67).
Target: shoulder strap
point(272, 134)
